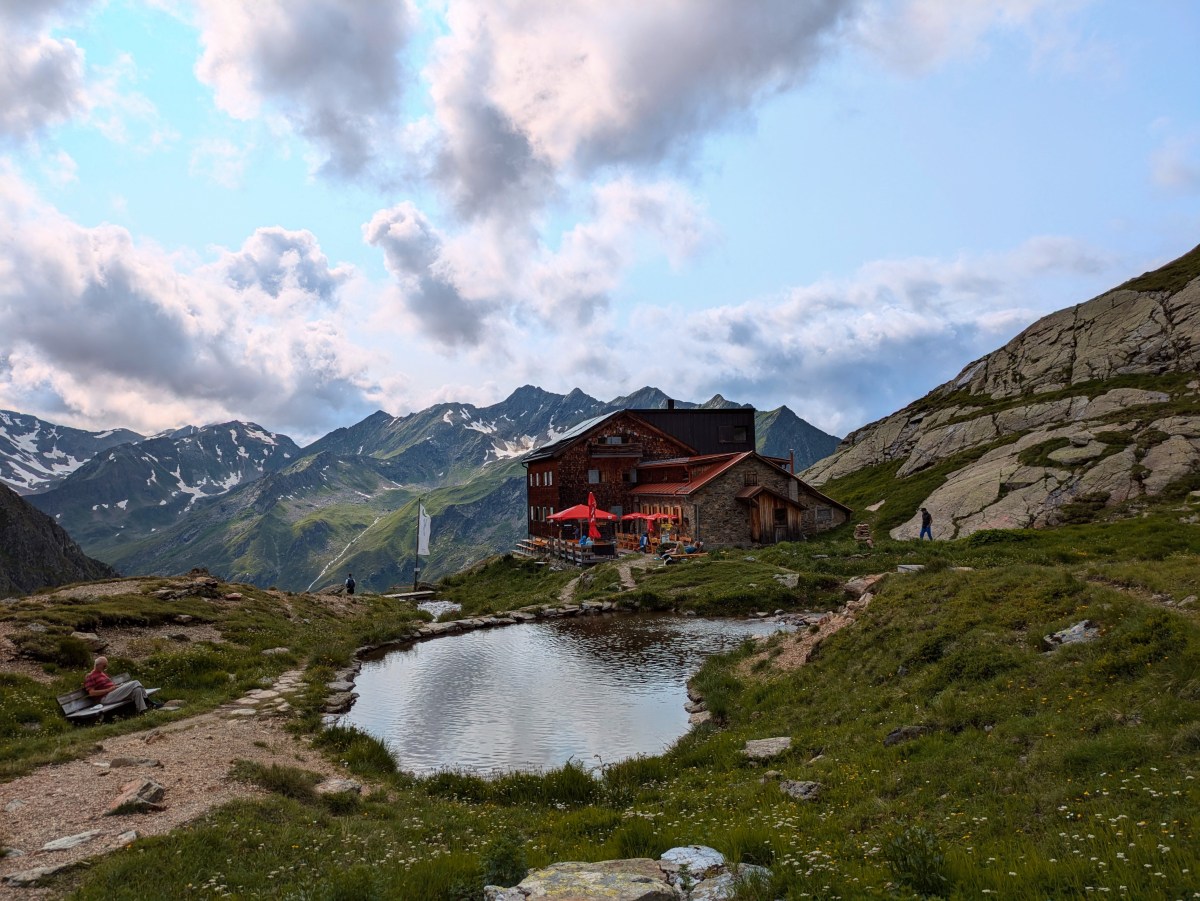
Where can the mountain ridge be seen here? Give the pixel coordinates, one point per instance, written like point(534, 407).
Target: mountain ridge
point(1089, 407)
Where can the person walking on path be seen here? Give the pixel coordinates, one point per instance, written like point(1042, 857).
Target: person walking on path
point(349, 583)
point(103, 690)
point(926, 525)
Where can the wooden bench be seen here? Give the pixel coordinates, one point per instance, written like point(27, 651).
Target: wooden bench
point(682, 556)
point(79, 708)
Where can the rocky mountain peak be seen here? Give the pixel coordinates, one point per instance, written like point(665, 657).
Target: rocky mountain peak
point(1093, 405)
point(36, 553)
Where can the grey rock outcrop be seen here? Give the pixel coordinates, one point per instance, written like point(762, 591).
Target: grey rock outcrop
point(1052, 431)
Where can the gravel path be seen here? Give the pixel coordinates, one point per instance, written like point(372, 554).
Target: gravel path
point(190, 758)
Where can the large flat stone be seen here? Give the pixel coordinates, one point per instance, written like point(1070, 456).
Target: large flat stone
point(637, 879)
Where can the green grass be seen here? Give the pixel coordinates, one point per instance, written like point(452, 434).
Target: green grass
point(1037, 775)
point(203, 674)
point(1172, 277)
point(504, 583)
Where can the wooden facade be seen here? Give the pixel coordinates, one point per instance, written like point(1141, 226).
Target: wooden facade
point(727, 499)
point(601, 459)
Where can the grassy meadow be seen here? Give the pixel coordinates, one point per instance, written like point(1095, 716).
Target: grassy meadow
point(1027, 774)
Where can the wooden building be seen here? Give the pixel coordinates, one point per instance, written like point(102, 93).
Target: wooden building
point(699, 466)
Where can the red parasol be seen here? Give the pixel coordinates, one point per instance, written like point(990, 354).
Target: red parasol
point(580, 511)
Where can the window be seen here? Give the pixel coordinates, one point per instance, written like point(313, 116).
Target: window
point(531, 480)
point(537, 479)
point(824, 514)
point(532, 514)
point(630, 476)
point(614, 439)
point(593, 477)
point(543, 514)
point(780, 516)
point(733, 434)
point(750, 478)
point(617, 511)
point(550, 480)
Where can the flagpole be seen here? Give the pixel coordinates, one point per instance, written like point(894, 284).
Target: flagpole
point(417, 546)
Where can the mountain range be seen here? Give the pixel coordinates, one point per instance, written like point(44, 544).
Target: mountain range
point(252, 506)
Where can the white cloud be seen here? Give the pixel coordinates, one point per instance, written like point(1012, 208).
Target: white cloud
point(117, 332)
point(330, 67)
point(839, 351)
point(526, 90)
point(917, 36)
point(1175, 164)
point(41, 81)
point(459, 289)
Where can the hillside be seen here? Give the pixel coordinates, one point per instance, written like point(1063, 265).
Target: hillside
point(1092, 407)
point(36, 553)
point(954, 752)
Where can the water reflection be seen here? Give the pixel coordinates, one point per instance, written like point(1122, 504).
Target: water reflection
point(535, 695)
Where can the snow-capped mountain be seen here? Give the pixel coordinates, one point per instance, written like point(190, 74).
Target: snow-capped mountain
point(36, 455)
point(134, 489)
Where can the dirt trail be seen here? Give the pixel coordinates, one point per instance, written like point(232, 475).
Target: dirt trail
point(193, 754)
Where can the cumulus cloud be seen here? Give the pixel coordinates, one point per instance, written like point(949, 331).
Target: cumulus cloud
point(412, 250)
point(331, 68)
point(280, 262)
point(41, 77)
point(455, 289)
point(527, 89)
point(118, 333)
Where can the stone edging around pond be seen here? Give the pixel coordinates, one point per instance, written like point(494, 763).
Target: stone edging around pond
point(341, 689)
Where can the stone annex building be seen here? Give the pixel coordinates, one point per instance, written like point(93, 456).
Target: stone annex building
point(697, 465)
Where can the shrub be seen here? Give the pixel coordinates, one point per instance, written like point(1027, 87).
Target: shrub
point(504, 861)
point(916, 861)
point(1084, 508)
point(52, 647)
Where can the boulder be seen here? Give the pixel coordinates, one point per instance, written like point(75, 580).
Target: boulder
point(766, 748)
point(801, 790)
point(699, 862)
point(336, 786)
point(91, 639)
point(1080, 633)
point(636, 879)
point(138, 796)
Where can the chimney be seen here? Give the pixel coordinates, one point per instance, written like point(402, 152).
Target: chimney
point(670, 403)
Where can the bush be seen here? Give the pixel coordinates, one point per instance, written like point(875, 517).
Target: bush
point(52, 647)
point(504, 861)
point(916, 861)
point(1130, 651)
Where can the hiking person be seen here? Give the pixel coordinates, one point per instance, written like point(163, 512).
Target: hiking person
point(926, 525)
point(349, 583)
point(103, 690)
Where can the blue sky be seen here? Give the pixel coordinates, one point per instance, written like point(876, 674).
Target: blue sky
point(299, 212)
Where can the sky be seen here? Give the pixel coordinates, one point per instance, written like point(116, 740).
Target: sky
point(297, 212)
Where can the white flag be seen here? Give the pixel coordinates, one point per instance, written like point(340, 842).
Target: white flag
point(423, 521)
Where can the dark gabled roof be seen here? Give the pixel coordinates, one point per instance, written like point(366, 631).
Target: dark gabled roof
point(581, 430)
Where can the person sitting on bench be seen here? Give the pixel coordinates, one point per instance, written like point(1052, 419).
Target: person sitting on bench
point(103, 690)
